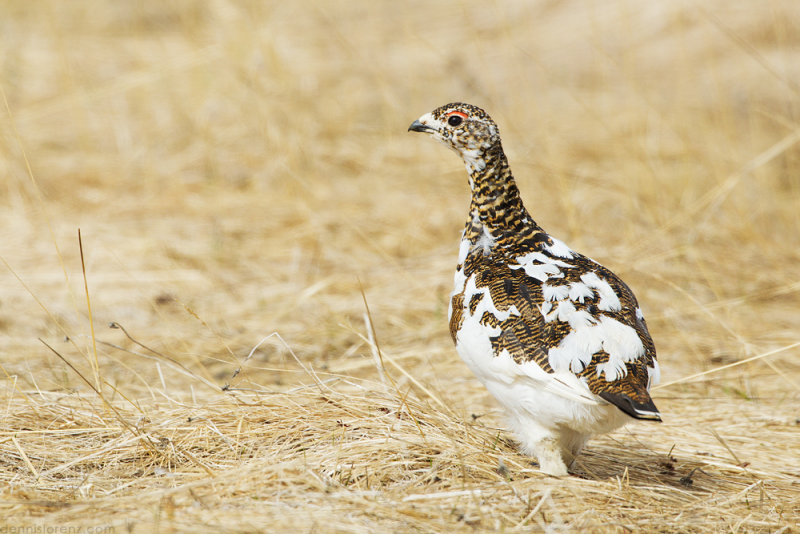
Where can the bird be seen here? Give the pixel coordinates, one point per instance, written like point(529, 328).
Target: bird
point(558, 339)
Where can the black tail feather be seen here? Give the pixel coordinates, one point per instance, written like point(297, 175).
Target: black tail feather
point(646, 411)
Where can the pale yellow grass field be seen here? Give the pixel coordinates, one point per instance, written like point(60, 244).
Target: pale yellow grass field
point(241, 169)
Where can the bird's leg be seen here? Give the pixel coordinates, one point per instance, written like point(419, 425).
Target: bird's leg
point(568, 457)
point(550, 455)
point(573, 447)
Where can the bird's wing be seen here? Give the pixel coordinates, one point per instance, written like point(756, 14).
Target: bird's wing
point(572, 318)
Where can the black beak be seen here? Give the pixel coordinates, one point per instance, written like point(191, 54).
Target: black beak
point(417, 126)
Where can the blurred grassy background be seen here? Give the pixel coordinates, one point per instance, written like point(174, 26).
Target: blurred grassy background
point(240, 168)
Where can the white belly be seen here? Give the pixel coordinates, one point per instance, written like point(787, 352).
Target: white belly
point(536, 401)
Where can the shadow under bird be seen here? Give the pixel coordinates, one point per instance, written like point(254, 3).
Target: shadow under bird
point(558, 339)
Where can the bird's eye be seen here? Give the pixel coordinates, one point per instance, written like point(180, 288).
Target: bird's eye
point(455, 120)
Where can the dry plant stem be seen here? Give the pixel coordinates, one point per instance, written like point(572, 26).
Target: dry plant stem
point(95, 363)
point(162, 357)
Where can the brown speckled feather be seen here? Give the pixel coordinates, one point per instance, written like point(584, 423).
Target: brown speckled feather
point(500, 234)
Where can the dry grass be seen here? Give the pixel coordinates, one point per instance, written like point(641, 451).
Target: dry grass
point(241, 169)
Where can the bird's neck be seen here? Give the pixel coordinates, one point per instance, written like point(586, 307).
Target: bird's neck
point(496, 205)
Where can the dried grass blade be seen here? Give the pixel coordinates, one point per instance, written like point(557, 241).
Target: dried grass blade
point(25, 457)
point(730, 365)
point(95, 361)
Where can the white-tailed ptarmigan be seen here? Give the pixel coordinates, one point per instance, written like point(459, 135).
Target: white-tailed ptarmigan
point(557, 338)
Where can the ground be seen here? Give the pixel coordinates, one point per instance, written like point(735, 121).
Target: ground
point(276, 252)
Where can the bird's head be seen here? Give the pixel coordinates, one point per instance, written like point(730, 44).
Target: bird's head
point(467, 129)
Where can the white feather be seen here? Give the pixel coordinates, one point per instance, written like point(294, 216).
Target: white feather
point(559, 248)
point(609, 301)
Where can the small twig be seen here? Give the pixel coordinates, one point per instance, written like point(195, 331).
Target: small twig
point(239, 369)
point(180, 367)
point(688, 480)
point(739, 463)
point(118, 326)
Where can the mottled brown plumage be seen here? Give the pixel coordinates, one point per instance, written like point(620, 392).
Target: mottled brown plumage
point(523, 296)
point(528, 337)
